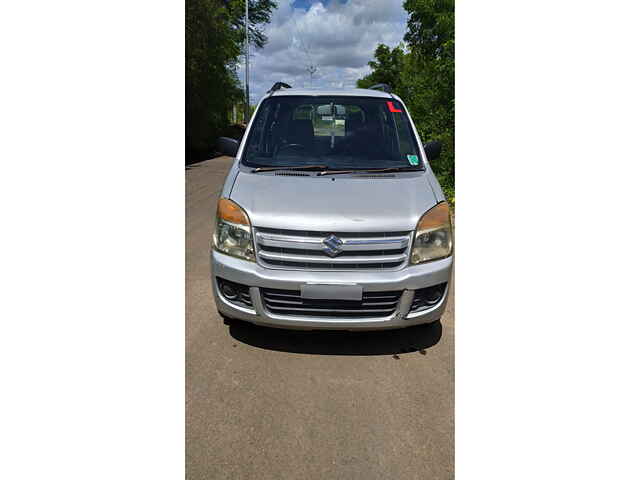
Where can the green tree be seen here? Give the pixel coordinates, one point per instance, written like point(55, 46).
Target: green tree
point(424, 77)
point(386, 68)
point(430, 26)
point(214, 43)
point(429, 79)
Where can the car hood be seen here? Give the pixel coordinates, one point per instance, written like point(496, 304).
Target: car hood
point(337, 204)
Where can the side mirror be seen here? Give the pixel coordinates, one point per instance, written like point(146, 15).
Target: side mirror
point(227, 146)
point(432, 149)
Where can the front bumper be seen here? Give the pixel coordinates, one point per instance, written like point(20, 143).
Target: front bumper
point(255, 276)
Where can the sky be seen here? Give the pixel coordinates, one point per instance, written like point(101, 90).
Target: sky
point(337, 36)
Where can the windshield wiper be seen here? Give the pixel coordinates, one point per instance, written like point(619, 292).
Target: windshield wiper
point(374, 170)
point(292, 167)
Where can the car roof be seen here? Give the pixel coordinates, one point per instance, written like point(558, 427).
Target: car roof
point(351, 92)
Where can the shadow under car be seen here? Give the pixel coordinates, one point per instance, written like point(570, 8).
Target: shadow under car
point(320, 342)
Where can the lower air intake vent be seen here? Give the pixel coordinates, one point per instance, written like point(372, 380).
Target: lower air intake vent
point(289, 302)
point(425, 298)
point(235, 293)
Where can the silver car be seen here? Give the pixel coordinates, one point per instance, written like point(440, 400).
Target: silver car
point(330, 217)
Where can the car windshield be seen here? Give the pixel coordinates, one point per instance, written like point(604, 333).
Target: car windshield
point(340, 132)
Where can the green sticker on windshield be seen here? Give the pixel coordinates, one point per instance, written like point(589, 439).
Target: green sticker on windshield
point(413, 159)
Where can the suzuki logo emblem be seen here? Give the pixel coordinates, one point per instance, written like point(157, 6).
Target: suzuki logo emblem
point(332, 245)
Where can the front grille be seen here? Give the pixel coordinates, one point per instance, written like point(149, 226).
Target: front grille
point(307, 250)
point(289, 302)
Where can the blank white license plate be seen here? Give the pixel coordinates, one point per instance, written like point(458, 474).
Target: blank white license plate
point(331, 291)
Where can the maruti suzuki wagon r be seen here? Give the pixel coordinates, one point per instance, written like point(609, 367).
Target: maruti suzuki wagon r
point(330, 216)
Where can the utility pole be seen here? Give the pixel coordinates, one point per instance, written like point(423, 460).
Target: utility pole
point(246, 68)
point(311, 69)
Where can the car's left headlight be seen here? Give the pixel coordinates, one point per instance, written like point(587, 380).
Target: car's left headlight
point(232, 231)
point(433, 238)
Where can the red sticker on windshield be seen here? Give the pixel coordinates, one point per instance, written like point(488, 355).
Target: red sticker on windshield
point(392, 108)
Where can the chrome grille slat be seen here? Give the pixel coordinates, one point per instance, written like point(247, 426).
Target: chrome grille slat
point(300, 302)
point(287, 257)
point(290, 302)
point(305, 250)
point(332, 310)
point(381, 297)
point(282, 295)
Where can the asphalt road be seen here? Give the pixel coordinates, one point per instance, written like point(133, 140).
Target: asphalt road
point(264, 403)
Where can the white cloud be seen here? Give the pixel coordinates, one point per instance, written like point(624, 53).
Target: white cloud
point(340, 39)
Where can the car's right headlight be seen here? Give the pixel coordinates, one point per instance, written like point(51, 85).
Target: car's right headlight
point(232, 231)
point(433, 238)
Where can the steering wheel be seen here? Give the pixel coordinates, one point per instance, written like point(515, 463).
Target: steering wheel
point(291, 145)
